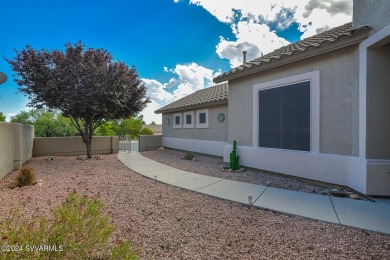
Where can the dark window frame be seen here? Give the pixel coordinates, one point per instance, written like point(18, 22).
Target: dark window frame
point(176, 120)
point(205, 118)
point(285, 117)
point(186, 119)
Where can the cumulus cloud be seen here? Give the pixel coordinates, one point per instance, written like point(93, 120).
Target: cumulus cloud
point(157, 91)
point(252, 37)
point(149, 114)
point(186, 79)
point(251, 22)
point(332, 7)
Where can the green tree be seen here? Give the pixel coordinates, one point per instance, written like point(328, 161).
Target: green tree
point(47, 123)
point(2, 117)
point(86, 85)
point(153, 123)
point(106, 129)
point(24, 117)
point(129, 127)
point(146, 131)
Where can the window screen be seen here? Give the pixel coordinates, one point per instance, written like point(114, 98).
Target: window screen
point(202, 118)
point(177, 120)
point(188, 119)
point(284, 117)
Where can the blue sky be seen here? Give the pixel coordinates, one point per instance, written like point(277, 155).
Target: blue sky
point(177, 46)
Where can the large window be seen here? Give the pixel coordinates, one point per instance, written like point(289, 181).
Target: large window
point(284, 117)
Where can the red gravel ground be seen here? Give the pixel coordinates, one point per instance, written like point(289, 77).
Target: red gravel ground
point(165, 222)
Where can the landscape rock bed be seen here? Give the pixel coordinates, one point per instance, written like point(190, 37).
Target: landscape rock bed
point(166, 222)
point(214, 166)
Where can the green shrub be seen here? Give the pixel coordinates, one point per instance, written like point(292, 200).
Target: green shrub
point(79, 230)
point(26, 177)
point(189, 156)
point(146, 131)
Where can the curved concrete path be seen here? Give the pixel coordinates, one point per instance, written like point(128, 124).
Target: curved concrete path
point(373, 216)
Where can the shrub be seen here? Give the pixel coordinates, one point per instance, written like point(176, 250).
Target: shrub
point(146, 131)
point(26, 177)
point(189, 156)
point(79, 230)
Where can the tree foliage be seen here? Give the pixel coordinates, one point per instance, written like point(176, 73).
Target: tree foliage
point(87, 85)
point(146, 131)
point(2, 117)
point(47, 123)
point(129, 127)
point(106, 129)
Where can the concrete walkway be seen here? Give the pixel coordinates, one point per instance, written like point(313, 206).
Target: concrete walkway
point(373, 216)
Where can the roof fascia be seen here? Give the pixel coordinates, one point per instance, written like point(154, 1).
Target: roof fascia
point(297, 56)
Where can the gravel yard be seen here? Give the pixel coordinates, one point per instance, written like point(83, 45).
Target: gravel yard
point(165, 222)
point(211, 165)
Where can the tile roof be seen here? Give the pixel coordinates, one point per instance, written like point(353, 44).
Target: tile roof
point(328, 37)
point(217, 94)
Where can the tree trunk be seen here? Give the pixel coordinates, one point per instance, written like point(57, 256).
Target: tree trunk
point(89, 149)
point(87, 139)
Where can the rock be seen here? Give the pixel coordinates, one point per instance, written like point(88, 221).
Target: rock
point(50, 158)
point(241, 170)
point(354, 196)
point(161, 149)
point(97, 158)
point(337, 193)
point(325, 192)
point(194, 159)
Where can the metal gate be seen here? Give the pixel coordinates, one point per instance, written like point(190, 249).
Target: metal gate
point(124, 145)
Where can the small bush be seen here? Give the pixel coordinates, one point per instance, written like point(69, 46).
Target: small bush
point(189, 156)
point(26, 177)
point(79, 230)
point(146, 131)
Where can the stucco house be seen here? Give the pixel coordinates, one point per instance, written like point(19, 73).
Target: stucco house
point(317, 109)
point(197, 122)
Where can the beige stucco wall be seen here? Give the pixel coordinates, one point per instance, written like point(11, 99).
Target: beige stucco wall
point(373, 13)
point(338, 100)
point(378, 103)
point(149, 142)
point(216, 132)
point(16, 143)
point(56, 146)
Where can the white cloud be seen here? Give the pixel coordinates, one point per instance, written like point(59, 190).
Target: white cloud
point(156, 91)
point(187, 79)
point(254, 38)
point(250, 21)
point(149, 114)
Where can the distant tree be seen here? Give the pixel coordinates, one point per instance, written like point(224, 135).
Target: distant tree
point(129, 127)
point(106, 129)
point(2, 117)
point(24, 117)
point(87, 85)
point(47, 123)
point(153, 123)
point(146, 131)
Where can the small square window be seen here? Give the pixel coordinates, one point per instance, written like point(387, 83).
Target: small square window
point(202, 117)
point(177, 120)
point(188, 120)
